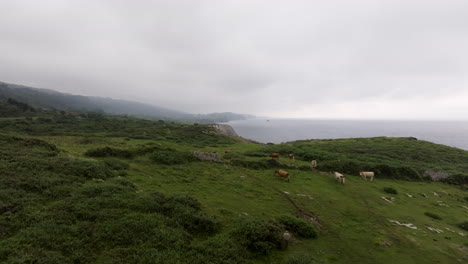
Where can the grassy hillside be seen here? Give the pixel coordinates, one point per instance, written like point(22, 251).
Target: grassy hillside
point(396, 158)
point(81, 188)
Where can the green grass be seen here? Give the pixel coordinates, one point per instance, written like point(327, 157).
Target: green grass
point(59, 204)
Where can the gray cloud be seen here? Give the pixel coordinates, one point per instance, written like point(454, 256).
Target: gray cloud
point(277, 58)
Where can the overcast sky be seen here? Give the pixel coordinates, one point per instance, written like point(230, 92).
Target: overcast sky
point(304, 59)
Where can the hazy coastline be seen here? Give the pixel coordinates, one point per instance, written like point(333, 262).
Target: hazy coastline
point(450, 133)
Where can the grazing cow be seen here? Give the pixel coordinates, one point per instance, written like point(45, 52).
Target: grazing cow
point(339, 177)
point(291, 156)
point(367, 174)
point(283, 174)
point(313, 164)
point(228, 151)
point(274, 155)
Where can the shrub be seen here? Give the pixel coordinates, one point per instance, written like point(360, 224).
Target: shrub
point(309, 155)
point(137, 228)
point(109, 152)
point(171, 157)
point(457, 179)
point(298, 226)
point(80, 167)
point(218, 249)
point(433, 216)
point(232, 156)
point(258, 236)
point(464, 225)
point(105, 189)
point(390, 190)
point(184, 210)
point(349, 167)
point(116, 164)
point(256, 154)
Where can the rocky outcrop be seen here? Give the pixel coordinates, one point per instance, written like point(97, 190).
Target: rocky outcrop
point(207, 156)
point(436, 175)
point(225, 130)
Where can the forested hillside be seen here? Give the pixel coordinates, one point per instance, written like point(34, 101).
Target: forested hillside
point(49, 99)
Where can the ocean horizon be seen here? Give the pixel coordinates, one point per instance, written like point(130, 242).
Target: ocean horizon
point(275, 130)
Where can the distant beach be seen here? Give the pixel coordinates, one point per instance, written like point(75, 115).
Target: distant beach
point(450, 133)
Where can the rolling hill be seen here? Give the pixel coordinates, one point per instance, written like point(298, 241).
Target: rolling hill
point(50, 99)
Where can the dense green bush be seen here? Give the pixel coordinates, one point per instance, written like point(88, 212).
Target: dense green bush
point(171, 157)
point(185, 211)
point(390, 190)
point(433, 216)
point(232, 155)
point(312, 154)
point(218, 250)
point(283, 149)
point(109, 152)
point(258, 236)
point(57, 209)
point(382, 170)
point(109, 217)
point(457, 179)
point(116, 164)
point(395, 172)
point(80, 167)
point(298, 226)
point(348, 167)
point(464, 225)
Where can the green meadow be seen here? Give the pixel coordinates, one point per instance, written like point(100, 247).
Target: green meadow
point(91, 188)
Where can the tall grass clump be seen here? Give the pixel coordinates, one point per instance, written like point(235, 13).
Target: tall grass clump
point(464, 225)
point(390, 190)
point(258, 236)
point(298, 226)
point(171, 157)
point(433, 216)
point(109, 152)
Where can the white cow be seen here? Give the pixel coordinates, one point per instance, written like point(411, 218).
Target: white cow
point(367, 174)
point(339, 177)
point(313, 164)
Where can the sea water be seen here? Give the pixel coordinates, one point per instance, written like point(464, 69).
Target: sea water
point(450, 133)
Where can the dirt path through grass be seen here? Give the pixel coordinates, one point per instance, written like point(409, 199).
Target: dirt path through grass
point(303, 213)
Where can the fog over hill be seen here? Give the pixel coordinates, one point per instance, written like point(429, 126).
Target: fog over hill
point(46, 98)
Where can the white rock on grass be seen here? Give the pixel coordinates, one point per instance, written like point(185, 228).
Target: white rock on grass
point(438, 231)
point(409, 225)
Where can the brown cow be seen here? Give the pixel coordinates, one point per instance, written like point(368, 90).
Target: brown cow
point(228, 151)
point(283, 174)
point(274, 155)
point(291, 156)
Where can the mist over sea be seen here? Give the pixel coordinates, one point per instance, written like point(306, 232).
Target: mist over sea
point(450, 133)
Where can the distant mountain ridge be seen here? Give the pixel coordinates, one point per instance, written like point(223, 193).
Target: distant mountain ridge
point(50, 99)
